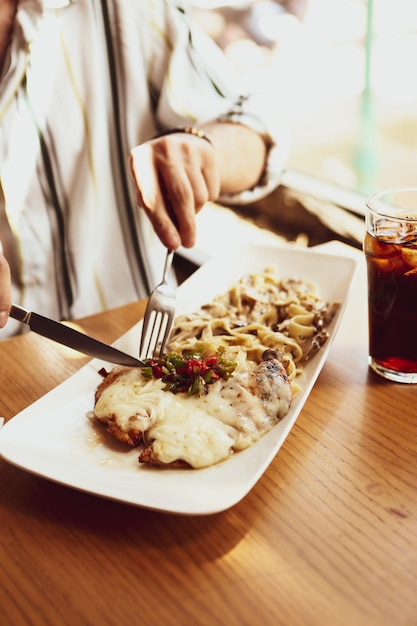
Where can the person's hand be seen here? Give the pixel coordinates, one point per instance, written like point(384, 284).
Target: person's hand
point(5, 291)
point(175, 176)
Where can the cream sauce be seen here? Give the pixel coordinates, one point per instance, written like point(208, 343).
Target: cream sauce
point(199, 430)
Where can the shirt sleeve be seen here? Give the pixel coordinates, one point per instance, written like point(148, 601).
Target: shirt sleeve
point(195, 84)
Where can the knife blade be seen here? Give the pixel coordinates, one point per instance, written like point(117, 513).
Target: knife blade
point(72, 338)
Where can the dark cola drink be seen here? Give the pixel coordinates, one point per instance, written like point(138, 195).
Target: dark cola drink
point(391, 255)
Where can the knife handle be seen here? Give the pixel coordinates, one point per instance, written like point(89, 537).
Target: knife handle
point(20, 314)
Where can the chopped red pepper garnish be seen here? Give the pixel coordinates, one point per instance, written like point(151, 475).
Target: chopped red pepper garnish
point(190, 372)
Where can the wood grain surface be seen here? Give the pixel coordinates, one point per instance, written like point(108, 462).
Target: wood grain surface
point(327, 536)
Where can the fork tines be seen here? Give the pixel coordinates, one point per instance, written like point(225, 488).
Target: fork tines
point(156, 329)
point(159, 316)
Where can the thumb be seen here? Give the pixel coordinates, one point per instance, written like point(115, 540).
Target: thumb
point(5, 291)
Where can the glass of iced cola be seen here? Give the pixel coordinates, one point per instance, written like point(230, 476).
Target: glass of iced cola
point(390, 248)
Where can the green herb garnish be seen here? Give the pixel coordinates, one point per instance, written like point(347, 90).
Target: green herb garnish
point(189, 372)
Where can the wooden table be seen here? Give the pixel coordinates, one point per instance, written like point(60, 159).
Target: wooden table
point(327, 536)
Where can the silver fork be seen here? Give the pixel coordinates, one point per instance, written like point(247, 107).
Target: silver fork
point(159, 316)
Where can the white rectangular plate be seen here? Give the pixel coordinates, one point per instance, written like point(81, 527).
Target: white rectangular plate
point(53, 437)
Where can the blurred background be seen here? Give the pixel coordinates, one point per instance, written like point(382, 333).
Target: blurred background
point(344, 72)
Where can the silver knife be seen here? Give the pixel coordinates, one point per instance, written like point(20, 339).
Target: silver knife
point(72, 338)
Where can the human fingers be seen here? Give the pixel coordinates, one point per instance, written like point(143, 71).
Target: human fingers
point(150, 194)
point(175, 176)
point(5, 291)
point(185, 192)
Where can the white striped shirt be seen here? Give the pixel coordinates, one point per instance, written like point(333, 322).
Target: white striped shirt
point(85, 82)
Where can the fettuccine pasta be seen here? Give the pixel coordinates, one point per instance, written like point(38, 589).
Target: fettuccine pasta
point(260, 312)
